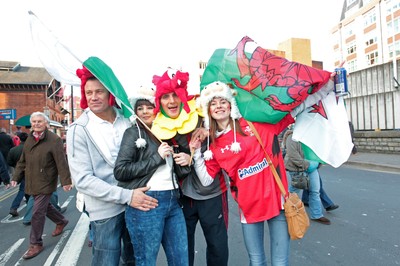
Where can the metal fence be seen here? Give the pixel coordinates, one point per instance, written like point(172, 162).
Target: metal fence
point(374, 99)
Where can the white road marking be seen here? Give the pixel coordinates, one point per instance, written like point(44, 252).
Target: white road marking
point(57, 248)
point(7, 219)
point(73, 248)
point(66, 202)
point(7, 255)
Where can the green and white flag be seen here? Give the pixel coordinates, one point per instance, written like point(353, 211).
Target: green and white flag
point(62, 63)
point(324, 131)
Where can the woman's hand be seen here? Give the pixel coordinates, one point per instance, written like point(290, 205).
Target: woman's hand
point(181, 158)
point(200, 133)
point(194, 144)
point(164, 150)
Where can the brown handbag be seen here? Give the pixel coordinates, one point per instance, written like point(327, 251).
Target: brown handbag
point(295, 212)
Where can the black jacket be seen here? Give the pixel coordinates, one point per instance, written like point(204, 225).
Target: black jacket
point(4, 176)
point(14, 154)
point(6, 143)
point(135, 166)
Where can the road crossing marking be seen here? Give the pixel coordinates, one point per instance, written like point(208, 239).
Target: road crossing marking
point(8, 219)
point(67, 201)
point(7, 255)
point(74, 246)
point(57, 248)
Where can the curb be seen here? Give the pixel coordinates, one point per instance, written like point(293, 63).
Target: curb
point(377, 167)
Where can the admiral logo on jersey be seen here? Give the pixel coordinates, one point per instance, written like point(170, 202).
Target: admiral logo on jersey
point(252, 170)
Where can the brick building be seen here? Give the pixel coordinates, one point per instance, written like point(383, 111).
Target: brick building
point(27, 90)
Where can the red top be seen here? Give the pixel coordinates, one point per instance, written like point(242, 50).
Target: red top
point(252, 182)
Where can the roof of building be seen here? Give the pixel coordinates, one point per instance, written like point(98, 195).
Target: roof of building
point(14, 73)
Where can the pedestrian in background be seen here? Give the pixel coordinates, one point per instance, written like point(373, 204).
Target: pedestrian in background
point(295, 163)
point(12, 160)
point(42, 163)
point(4, 174)
point(6, 143)
point(326, 201)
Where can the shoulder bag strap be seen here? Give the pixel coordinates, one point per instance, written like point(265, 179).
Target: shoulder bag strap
point(276, 176)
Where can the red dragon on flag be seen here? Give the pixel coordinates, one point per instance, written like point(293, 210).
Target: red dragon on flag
point(268, 86)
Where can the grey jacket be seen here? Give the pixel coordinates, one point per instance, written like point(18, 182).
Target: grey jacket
point(294, 158)
point(92, 172)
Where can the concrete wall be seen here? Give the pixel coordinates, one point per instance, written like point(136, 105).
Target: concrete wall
point(378, 141)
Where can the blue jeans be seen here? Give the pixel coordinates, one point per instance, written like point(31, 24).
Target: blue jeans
point(253, 235)
point(111, 242)
point(325, 200)
point(163, 225)
point(29, 207)
point(314, 201)
point(20, 195)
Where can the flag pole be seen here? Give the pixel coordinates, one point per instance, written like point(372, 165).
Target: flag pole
point(72, 104)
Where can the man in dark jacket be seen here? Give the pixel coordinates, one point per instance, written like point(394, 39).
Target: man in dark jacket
point(6, 142)
point(12, 159)
point(4, 175)
point(42, 161)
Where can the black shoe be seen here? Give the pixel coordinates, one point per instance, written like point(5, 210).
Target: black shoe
point(26, 223)
point(332, 207)
point(322, 220)
point(14, 212)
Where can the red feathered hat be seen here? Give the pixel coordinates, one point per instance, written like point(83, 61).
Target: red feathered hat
point(172, 81)
point(84, 74)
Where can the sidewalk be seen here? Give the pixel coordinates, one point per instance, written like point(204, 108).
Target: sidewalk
point(376, 161)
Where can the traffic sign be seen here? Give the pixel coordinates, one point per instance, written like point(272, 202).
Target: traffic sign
point(7, 114)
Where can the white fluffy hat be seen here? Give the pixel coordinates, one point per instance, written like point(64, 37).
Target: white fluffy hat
point(143, 93)
point(213, 90)
point(218, 89)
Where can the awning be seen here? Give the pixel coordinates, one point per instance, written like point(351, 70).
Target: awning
point(25, 122)
point(55, 123)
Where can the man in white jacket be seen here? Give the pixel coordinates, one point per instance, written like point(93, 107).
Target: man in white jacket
point(93, 143)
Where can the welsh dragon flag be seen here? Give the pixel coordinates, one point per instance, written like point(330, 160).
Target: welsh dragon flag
point(323, 129)
point(268, 86)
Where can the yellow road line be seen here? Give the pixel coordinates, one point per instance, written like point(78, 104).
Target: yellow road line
point(8, 194)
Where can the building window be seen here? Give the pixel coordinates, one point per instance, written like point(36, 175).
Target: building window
point(370, 39)
point(397, 49)
point(395, 30)
point(202, 65)
point(352, 65)
point(370, 18)
point(392, 6)
point(348, 31)
point(372, 58)
point(351, 48)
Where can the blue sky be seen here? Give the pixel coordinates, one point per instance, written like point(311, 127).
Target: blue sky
point(141, 38)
